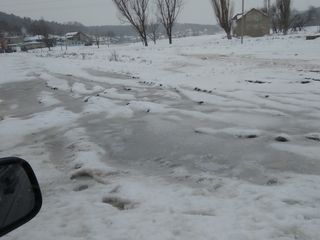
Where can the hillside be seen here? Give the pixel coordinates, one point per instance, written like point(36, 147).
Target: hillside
point(16, 25)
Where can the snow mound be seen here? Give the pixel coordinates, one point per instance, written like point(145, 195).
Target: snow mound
point(13, 130)
point(47, 99)
point(98, 175)
point(104, 105)
point(140, 106)
point(309, 152)
point(119, 203)
point(114, 94)
point(56, 83)
point(80, 88)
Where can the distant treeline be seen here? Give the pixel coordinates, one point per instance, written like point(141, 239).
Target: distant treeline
point(17, 25)
point(315, 16)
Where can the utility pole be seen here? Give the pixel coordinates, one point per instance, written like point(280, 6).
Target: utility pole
point(242, 22)
point(267, 6)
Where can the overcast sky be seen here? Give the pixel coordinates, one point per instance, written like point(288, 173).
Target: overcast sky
point(103, 12)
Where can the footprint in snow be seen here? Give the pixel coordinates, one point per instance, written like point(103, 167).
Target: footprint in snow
point(202, 90)
point(312, 136)
point(282, 138)
point(80, 188)
point(119, 203)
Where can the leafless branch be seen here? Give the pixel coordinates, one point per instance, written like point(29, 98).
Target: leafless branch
point(284, 7)
point(169, 11)
point(135, 12)
point(153, 30)
point(223, 10)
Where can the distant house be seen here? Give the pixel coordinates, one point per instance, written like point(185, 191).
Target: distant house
point(10, 44)
point(256, 24)
point(3, 43)
point(77, 38)
point(33, 42)
point(14, 40)
point(36, 38)
point(38, 41)
point(32, 45)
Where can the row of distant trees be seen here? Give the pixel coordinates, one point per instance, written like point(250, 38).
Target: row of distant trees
point(280, 14)
point(149, 17)
point(15, 25)
point(282, 17)
point(146, 22)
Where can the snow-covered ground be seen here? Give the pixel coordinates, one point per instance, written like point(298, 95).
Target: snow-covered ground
point(206, 139)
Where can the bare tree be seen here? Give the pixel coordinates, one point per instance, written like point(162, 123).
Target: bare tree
point(267, 5)
point(110, 35)
point(284, 7)
point(274, 18)
point(169, 11)
point(314, 17)
point(153, 30)
point(97, 40)
point(41, 28)
point(3, 44)
point(299, 20)
point(224, 11)
point(135, 12)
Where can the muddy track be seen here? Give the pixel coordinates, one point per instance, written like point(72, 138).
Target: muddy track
point(154, 143)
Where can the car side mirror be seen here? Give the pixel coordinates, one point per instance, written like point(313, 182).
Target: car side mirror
point(20, 195)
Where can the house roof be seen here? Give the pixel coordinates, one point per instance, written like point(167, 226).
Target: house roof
point(238, 16)
point(71, 34)
point(13, 37)
point(33, 38)
point(235, 17)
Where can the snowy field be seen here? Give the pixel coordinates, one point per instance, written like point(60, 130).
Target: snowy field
point(207, 139)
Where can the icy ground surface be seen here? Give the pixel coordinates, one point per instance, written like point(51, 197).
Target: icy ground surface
point(205, 139)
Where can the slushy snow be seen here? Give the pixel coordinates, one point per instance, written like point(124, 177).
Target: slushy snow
point(169, 142)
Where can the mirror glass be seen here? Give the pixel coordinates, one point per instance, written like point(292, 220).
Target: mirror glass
point(17, 198)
